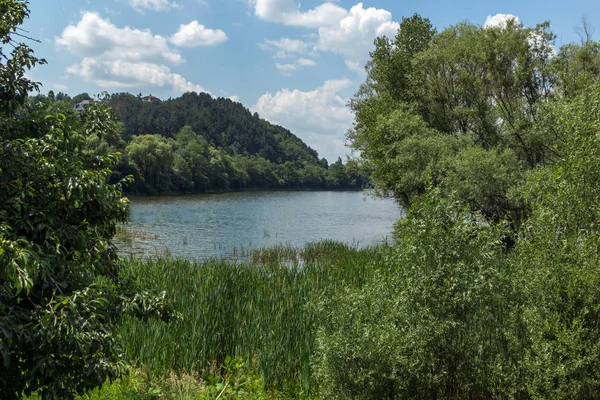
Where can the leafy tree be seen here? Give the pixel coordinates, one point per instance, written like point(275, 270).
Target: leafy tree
point(59, 294)
point(80, 97)
point(434, 324)
point(491, 122)
point(576, 66)
point(62, 97)
point(432, 98)
point(336, 175)
point(153, 157)
point(559, 260)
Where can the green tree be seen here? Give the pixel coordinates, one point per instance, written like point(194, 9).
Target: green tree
point(434, 323)
point(153, 156)
point(80, 97)
point(336, 175)
point(558, 258)
point(430, 96)
point(60, 298)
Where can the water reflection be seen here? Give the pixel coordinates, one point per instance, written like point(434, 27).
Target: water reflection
point(228, 225)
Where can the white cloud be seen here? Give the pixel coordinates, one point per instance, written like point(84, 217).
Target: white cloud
point(287, 12)
point(499, 20)
point(348, 33)
point(94, 36)
point(305, 62)
point(286, 47)
point(273, 10)
point(353, 36)
point(323, 15)
point(114, 57)
point(126, 74)
point(320, 117)
point(286, 67)
point(195, 34)
point(234, 98)
point(156, 5)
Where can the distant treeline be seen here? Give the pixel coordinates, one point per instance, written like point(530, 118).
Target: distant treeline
point(195, 143)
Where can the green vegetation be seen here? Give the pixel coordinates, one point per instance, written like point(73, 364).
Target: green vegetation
point(60, 296)
point(256, 311)
point(491, 289)
point(460, 109)
point(195, 143)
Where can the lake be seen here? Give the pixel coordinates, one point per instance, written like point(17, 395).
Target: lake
point(227, 225)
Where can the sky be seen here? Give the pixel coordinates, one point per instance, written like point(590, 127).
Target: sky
point(295, 63)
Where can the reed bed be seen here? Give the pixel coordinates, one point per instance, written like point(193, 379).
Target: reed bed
point(256, 310)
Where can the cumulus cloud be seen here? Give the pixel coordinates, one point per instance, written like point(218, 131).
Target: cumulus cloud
point(195, 34)
point(289, 49)
point(127, 74)
point(320, 117)
point(299, 63)
point(349, 33)
point(306, 62)
point(499, 20)
point(323, 15)
point(353, 35)
point(94, 36)
point(114, 57)
point(286, 67)
point(285, 47)
point(273, 10)
point(156, 5)
point(287, 12)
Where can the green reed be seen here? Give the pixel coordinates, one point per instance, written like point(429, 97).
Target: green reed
point(256, 310)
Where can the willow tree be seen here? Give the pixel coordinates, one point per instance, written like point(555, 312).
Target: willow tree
point(456, 109)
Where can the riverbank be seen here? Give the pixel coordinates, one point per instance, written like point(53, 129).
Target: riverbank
point(244, 330)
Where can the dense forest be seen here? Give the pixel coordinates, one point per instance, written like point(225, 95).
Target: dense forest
point(195, 143)
point(489, 135)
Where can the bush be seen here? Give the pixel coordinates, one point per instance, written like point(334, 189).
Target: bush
point(435, 324)
point(60, 298)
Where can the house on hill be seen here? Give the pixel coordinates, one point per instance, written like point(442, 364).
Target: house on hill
point(151, 99)
point(81, 105)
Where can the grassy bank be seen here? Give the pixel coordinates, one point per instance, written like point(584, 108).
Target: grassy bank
point(244, 330)
point(258, 312)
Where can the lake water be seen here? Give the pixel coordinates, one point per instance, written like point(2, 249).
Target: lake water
point(227, 225)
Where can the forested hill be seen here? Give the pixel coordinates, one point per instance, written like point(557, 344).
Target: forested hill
point(223, 122)
point(195, 143)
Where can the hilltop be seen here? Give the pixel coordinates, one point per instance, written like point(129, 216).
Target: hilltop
point(197, 143)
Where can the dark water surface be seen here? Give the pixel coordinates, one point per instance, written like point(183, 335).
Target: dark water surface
point(228, 225)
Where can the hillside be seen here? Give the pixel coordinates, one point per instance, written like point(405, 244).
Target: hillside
point(196, 143)
point(224, 123)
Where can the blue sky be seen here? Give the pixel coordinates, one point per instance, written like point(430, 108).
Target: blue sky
point(295, 63)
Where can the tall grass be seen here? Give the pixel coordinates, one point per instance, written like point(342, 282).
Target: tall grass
point(256, 310)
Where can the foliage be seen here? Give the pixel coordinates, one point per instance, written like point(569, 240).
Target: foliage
point(235, 382)
point(428, 325)
point(474, 128)
point(256, 311)
point(59, 296)
point(195, 143)
point(463, 315)
point(560, 262)
point(430, 99)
